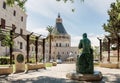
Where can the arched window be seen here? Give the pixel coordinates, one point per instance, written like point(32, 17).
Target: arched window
point(21, 45)
point(21, 31)
point(14, 13)
point(3, 23)
point(4, 5)
point(56, 44)
point(66, 44)
point(59, 44)
point(22, 18)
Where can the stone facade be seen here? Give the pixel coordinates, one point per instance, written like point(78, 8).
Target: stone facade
point(15, 17)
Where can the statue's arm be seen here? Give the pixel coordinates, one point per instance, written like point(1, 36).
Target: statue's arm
point(80, 44)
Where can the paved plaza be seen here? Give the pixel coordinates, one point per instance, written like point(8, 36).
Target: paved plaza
point(57, 74)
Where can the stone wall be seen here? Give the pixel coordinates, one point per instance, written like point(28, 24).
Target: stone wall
point(8, 15)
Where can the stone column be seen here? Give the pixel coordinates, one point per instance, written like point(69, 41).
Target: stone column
point(44, 50)
point(118, 51)
point(11, 46)
point(100, 48)
point(108, 48)
point(28, 48)
point(36, 49)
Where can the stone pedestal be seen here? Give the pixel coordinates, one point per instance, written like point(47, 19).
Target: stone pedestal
point(35, 66)
point(54, 63)
point(19, 62)
point(97, 76)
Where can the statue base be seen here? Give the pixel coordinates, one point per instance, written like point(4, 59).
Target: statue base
point(97, 76)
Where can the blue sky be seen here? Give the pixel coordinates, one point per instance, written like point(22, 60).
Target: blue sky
point(88, 17)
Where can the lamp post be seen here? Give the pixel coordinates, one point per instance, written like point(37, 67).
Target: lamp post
point(100, 40)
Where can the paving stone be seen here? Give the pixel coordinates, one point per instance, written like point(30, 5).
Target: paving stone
point(57, 74)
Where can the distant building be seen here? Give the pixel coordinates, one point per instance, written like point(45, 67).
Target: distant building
point(61, 42)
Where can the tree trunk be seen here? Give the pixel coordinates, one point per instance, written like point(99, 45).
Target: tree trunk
point(50, 49)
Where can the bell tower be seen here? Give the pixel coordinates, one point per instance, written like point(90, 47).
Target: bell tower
point(61, 40)
point(58, 20)
point(59, 28)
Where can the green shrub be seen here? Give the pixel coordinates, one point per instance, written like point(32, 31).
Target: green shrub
point(40, 60)
point(13, 62)
point(4, 61)
point(30, 61)
point(48, 64)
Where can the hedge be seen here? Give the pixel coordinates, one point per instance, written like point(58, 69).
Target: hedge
point(4, 61)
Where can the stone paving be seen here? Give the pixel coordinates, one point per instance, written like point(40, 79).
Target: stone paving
point(57, 74)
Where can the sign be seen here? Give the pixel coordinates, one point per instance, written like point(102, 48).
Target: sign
point(19, 61)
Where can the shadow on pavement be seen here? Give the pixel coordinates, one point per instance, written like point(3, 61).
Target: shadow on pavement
point(46, 79)
point(107, 78)
point(111, 78)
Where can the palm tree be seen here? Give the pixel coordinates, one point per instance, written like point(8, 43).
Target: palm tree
point(50, 29)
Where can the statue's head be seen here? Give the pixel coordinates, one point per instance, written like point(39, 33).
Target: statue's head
point(85, 35)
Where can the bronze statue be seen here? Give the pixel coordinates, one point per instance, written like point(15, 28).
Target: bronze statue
point(84, 62)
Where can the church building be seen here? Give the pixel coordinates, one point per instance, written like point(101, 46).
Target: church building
point(61, 42)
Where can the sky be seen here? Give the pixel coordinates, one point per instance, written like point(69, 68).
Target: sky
point(88, 17)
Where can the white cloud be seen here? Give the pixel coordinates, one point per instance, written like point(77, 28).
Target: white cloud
point(93, 38)
point(94, 41)
point(39, 7)
point(101, 6)
point(42, 31)
point(48, 8)
point(75, 40)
